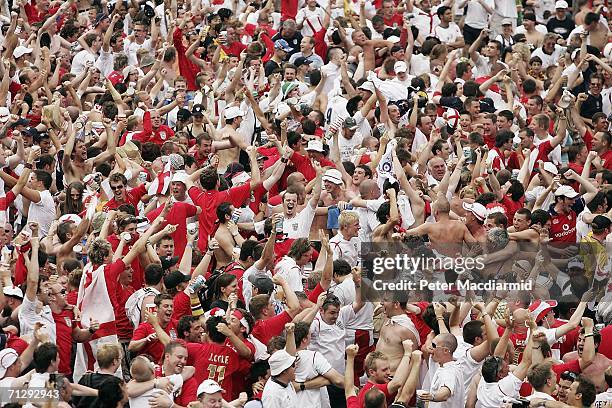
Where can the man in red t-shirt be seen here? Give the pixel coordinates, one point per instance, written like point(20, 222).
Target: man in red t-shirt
point(209, 198)
point(563, 217)
point(66, 328)
point(145, 340)
point(378, 370)
point(215, 360)
point(602, 144)
point(153, 129)
point(121, 195)
point(177, 214)
point(267, 323)
point(304, 164)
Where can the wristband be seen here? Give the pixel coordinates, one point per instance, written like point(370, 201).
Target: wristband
point(28, 166)
point(91, 331)
point(302, 387)
point(589, 335)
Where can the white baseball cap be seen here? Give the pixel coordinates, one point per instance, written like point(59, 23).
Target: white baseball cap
point(5, 113)
point(315, 145)
point(566, 191)
point(209, 387)
point(551, 168)
point(561, 4)
point(180, 176)
point(232, 112)
point(70, 218)
point(13, 291)
point(400, 66)
point(333, 176)
point(8, 356)
point(477, 209)
point(21, 51)
point(242, 177)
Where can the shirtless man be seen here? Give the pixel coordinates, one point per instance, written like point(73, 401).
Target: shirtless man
point(334, 189)
point(529, 237)
point(475, 215)
point(397, 328)
point(69, 234)
point(595, 371)
point(446, 236)
point(233, 119)
point(368, 46)
point(75, 163)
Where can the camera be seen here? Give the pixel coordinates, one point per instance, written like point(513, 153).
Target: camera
point(414, 92)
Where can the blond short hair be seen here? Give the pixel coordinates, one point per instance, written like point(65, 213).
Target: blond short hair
point(347, 218)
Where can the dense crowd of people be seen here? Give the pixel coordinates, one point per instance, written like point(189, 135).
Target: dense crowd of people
point(195, 197)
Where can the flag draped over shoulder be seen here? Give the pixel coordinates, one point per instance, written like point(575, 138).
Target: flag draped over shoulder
point(95, 304)
point(162, 181)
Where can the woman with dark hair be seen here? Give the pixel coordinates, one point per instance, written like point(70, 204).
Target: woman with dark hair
point(73, 204)
point(225, 285)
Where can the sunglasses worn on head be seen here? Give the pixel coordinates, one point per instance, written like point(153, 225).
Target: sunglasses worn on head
point(569, 375)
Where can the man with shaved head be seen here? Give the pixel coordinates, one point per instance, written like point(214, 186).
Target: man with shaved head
point(447, 384)
point(446, 236)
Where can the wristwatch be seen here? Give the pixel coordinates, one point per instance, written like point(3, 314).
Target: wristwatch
point(302, 387)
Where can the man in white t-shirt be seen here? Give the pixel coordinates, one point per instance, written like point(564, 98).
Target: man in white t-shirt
point(366, 206)
point(309, 19)
point(311, 364)
point(349, 139)
point(447, 31)
point(343, 287)
point(447, 384)
point(42, 206)
point(346, 244)
point(297, 225)
point(328, 332)
point(497, 381)
point(550, 51)
point(278, 391)
point(86, 57)
point(139, 40)
point(291, 266)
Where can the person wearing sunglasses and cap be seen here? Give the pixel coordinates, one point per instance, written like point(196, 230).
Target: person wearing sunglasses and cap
point(279, 391)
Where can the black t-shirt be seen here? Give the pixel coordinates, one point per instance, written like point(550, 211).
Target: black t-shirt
point(591, 106)
point(561, 27)
point(91, 380)
point(294, 42)
point(223, 305)
point(270, 66)
point(452, 102)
